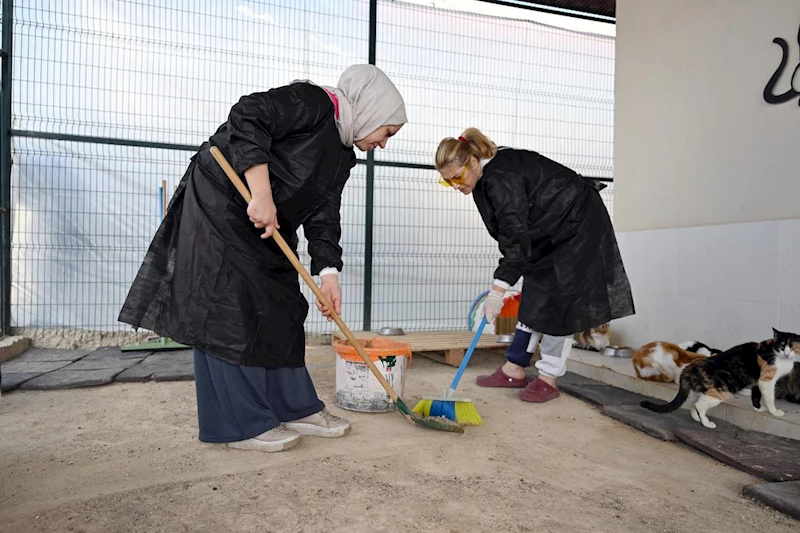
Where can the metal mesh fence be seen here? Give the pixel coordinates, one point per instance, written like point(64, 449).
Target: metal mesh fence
point(525, 85)
point(163, 75)
point(83, 216)
point(169, 72)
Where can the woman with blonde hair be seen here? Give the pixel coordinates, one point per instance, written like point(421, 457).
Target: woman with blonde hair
point(553, 231)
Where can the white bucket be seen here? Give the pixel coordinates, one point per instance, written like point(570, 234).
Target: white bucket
point(357, 389)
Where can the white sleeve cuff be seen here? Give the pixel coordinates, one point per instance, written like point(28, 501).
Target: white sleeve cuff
point(501, 283)
point(328, 270)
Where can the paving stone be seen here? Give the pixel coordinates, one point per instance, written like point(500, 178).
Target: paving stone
point(659, 425)
point(600, 394)
point(183, 356)
point(50, 355)
point(114, 352)
point(178, 373)
point(103, 363)
point(32, 367)
point(13, 381)
point(162, 366)
point(135, 374)
point(765, 456)
point(71, 379)
point(571, 378)
point(164, 359)
point(783, 497)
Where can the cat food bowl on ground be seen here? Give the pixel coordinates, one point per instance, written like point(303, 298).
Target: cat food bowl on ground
point(618, 351)
point(391, 332)
point(505, 339)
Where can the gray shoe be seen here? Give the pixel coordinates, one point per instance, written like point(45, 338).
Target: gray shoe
point(275, 440)
point(322, 424)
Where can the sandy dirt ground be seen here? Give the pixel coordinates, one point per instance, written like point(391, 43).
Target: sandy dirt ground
point(126, 458)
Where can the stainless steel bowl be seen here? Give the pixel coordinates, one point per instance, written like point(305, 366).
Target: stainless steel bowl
point(618, 351)
point(505, 339)
point(391, 332)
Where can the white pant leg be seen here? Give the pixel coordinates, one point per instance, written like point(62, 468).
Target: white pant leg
point(555, 352)
point(535, 337)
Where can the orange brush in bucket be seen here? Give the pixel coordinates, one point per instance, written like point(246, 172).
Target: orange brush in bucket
point(442, 424)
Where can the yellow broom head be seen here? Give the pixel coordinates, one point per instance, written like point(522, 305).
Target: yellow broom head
point(461, 411)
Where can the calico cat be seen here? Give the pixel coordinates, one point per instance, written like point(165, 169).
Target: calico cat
point(664, 361)
point(703, 349)
point(594, 339)
point(707, 382)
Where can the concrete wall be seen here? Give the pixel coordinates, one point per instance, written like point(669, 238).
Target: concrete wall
point(695, 142)
point(707, 174)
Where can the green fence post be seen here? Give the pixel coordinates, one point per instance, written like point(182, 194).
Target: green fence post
point(5, 170)
point(370, 187)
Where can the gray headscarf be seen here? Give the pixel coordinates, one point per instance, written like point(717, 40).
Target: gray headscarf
point(367, 100)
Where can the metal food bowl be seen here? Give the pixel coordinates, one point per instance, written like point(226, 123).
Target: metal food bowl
point(505, 339)
point(618, 351)
point(391, 332)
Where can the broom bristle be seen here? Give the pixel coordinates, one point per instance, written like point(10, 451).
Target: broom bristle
point(467, 414)
point(462, 412)
point(423, 408)
point(444, 409)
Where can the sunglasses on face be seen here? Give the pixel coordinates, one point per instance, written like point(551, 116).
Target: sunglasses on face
point(449, 182)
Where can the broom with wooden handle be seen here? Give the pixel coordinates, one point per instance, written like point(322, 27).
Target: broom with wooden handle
point(434, 423)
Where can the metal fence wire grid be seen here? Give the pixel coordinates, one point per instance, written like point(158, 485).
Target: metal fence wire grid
point(104, 100)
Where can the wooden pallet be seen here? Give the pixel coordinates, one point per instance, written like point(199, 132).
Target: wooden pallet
point(448, 347)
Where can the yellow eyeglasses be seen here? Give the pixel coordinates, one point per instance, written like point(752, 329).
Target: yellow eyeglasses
point(448, 182)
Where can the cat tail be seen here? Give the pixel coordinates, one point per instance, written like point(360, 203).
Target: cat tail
point(677, 401)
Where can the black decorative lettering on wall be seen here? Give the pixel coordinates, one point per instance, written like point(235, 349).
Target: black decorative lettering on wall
point(769, 95)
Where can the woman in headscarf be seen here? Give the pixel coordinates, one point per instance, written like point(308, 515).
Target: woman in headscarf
point(555, 233)
point(214, 280)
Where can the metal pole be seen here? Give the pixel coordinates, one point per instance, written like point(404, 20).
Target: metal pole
point(5, 170)
point(102, 140)
point(370, 186)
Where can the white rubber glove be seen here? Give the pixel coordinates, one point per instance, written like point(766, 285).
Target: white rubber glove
point(493, 305)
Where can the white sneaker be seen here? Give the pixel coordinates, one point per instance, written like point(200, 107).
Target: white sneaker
point(322, 424)
point(275, 440)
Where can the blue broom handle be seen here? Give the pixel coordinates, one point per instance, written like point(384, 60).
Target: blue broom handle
point(465, 361)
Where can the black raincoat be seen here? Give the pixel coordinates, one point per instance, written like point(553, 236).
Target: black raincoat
point(554, 231)
point(208, 280)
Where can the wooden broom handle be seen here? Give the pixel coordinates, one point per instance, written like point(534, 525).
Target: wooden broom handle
point(240, 186)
